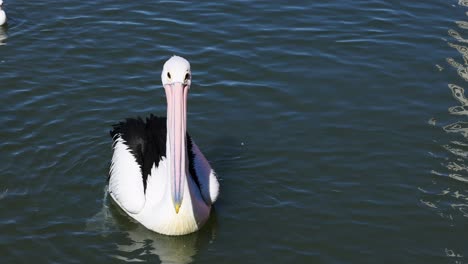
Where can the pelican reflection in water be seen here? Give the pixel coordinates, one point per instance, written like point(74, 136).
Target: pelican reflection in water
point(143, 245)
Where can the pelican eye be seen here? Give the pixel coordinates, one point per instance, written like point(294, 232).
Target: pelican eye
point(168, 75)
point(187, 76)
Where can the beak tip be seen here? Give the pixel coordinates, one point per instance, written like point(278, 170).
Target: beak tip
point(177, 207)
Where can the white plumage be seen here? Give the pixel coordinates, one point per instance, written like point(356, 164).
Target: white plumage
point(154, 209)
point(125, 183)
point(3, 17)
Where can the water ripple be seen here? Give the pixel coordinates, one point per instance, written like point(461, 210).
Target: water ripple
point(310, 113)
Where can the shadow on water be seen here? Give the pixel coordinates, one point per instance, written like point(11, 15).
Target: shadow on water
point(141, 244)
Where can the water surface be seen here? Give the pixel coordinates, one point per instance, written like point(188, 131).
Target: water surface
point(338, 129)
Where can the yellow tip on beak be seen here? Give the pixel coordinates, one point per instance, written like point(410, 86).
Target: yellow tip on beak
point(177, 207)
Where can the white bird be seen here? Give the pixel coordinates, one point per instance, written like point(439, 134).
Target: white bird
point(158, 175)
point(3, 17)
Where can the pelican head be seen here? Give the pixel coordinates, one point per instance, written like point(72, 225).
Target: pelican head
point(176, 70)
point(2, 14)
point(176, 78)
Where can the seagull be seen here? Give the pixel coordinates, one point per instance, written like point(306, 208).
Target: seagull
point(158, 175)
point(3, 17)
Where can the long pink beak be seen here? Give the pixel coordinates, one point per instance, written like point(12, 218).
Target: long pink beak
point(176, 95)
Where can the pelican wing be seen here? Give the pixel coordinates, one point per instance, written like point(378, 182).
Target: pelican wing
point(138, 146)
point(125, 182)
point(205, 176)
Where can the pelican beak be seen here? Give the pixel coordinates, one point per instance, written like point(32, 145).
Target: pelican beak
point(177, 207)
point(176, 94)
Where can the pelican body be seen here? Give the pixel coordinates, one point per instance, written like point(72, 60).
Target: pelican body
point(158, 175)
point(3, 17)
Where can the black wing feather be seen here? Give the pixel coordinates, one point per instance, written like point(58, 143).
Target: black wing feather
point(147, 142)
point(191, 158)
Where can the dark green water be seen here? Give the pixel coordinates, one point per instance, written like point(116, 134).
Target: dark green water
point(331, 125)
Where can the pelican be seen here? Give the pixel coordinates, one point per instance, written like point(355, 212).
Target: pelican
point(158, 175)
point(2, 14)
